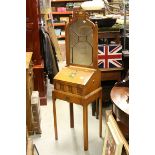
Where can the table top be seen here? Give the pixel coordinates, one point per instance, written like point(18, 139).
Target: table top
point(120, 97)
point(28, 59)
point(114, 28)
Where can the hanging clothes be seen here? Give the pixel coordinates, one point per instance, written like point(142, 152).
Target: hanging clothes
point(49, 55)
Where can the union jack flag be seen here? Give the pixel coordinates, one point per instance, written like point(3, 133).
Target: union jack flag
point(110, 56)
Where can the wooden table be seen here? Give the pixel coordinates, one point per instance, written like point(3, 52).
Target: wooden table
point(111, 74)
point(120, 99)
point(108, 33)
point(108, 74)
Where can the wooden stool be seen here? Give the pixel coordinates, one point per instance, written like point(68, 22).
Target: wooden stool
point(80, 100)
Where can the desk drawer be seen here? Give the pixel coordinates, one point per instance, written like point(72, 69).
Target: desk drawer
point(68, 88)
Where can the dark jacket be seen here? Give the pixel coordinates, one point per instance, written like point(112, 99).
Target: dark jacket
point(49, 55)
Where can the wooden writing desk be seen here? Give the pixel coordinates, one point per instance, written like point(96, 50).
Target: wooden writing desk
point(79, 82)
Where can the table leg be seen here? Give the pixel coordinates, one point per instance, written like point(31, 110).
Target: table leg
point(93, 108)
point(55, 119)
point(71, 115)
point(85, 126)
point(100, 115)
point(97, 108)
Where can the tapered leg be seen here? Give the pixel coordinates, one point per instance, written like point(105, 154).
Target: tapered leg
point(55, 119)
point(85, 126)
point(100, 115)
point(93, 109)
point(97, 108)
point(71, 115)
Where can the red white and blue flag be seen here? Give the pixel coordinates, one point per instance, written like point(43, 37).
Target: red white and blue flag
point(110, 56)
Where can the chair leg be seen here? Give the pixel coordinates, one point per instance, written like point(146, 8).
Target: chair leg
point(100, 115)
point(85, 126)
point(71, 115)
point(55, 119)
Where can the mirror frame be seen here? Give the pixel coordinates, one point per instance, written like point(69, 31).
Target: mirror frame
point(80, 14)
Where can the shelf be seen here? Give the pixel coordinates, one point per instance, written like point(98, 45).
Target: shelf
point(59, 24)
point(57, 1)
point(62, 3)
point(65, 13)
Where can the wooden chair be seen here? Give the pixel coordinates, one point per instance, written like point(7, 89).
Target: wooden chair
point(79, 81)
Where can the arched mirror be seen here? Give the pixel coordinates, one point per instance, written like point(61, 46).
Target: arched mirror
point(81, 41)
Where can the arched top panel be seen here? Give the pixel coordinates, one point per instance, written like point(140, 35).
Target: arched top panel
point(81, 41)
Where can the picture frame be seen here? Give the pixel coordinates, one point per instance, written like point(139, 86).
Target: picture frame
point(113, 143)
point(35, 150)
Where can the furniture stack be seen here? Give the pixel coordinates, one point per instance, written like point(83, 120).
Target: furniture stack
point(35, 107)
point(33, 45)
point(29, 89)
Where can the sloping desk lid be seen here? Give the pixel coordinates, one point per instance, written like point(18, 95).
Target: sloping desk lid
point(74, 74)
